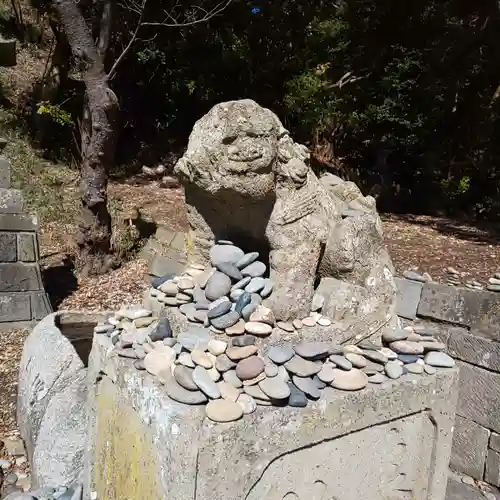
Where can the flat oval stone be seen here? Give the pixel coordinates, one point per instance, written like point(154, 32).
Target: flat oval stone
point(162, 330)
point(162, 279)
point(247, 259)
point(297, 324)
point(244, 299)
point(356, 360)
point(439, 359)
point(230, 270)
point(231, 378)
point(309, 321)
point(352, 380)
point(225, 253)
point(263, 315)
point(248, 310)
point(223, 363)
point(234, 295)
point(237, 329)
point(241, 284)
point(377, 378)
point(217, 347)
point(268, 288)
point(326, 373)
point(259, 329)
point(430, 370)
point(184, 377)
point(433, 346)
point(194, 338)
point(375, 356)
point(257, 393)
point(340, 361)
point(280, 354)
point(169, 288)
point(283, 373)
point(185, 359)
point(371, 368)
point(215, 303)
point(415, 368)
point(223, 410)
point(205, 383)
point(201, 316)
point(219, 310)
point(389, 353)
point(255, 285)
point(408, 358)
point(302, 367)
point(187, 309)
point(368, 345)
point(178, 393)
point(307, 386)
point(312, 350)
point(255, 269)
point(225, 321)
point(393, 370)
point(238, 353)
point(217, 286)
point(394, 335)
point(286, 326)
point(275, 388)
point(324, 321)
point(243, 340)
point(249, 368)
point(297, 398)
point(200, 358)
point(185, 284)
point(247, 403)
point(352, 348)
point(157, 361)
point(228, 391)
point(406, 347)
point(270, 369)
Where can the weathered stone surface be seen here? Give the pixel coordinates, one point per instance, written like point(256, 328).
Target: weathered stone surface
point(19, 277)
point(457, 490)
point(4, 173)
point(18, 222)
point(479, 398)
point(254, 183)
point(27, 247)
point(408, 297)
point(8, 247)
point(52, 397)
point(492, 472)
point(474, 349)
point(196, 459)
point(11, 201)
point(495, 441)
point(15, 307)
point(470, 445)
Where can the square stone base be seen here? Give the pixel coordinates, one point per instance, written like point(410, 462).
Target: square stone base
point(389, 442)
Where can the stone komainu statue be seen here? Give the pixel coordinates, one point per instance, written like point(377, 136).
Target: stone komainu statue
point(247, 180)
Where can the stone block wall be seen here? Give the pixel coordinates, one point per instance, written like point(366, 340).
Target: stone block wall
point(469, 323)
point(22, 297)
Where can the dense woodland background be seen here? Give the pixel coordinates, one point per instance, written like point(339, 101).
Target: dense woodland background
point(399, 96)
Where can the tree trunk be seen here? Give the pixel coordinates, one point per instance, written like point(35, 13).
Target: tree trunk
point(98, 139)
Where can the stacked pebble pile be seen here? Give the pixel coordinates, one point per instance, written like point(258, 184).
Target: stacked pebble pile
point(224, 362)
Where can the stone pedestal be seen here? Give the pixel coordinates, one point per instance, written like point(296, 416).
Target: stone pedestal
point(22, 296)
point(388, 442)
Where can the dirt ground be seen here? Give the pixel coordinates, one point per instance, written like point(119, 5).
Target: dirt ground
point(429, 244)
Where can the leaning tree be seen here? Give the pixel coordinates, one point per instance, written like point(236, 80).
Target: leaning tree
point(88, 27)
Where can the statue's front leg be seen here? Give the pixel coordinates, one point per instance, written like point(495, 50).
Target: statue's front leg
point(293, 271)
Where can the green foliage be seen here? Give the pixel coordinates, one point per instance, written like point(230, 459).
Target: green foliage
point(55, 113)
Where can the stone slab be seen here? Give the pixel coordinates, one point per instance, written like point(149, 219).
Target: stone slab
point(479, 396)
point(40, 305)
point(472, 348)
point(8, 247)
point(492, 472)
point(27, 247)
point(408, 297)
point(495, 441)
point(18, 222)
point(173, 262)
point(460, 491)
point(470, 445)
point(392, 441)
point(20, 277)
point(14, 307)
point(11, 201)
point(4, 173)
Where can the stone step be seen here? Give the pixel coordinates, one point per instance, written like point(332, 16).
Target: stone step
point(4, 173)
point(11, 201)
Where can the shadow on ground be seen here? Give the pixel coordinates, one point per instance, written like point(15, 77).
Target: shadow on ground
point(60, 282)
point(487, 233)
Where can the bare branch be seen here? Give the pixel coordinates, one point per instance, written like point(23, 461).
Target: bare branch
point(121, 57)
point(174, 24)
